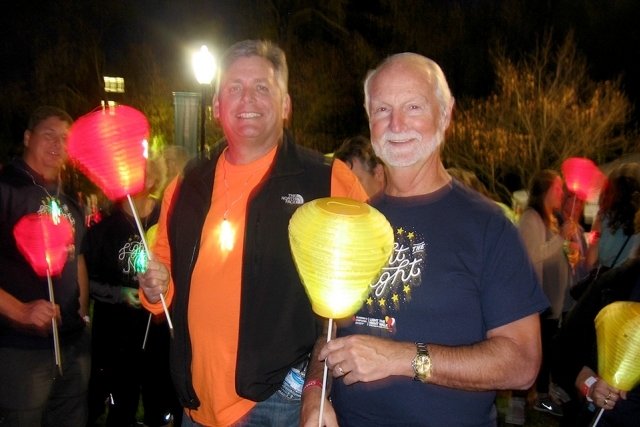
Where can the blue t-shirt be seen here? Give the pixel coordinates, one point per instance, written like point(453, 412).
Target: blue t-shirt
point(459, 269)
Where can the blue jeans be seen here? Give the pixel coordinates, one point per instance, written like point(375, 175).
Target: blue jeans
point(279, 410)
point(33, 394)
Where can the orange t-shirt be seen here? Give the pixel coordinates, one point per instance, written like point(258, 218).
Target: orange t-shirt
point(214, 305)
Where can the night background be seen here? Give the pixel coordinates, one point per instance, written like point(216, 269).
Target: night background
point(58, 52)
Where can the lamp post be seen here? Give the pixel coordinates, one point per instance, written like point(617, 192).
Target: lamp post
point(205, 67)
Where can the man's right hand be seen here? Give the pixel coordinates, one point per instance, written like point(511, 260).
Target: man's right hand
point(38, 314)
point(155, 281)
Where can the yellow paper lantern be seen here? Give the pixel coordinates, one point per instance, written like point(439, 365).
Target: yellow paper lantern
point(339, 246)
point(618, 334)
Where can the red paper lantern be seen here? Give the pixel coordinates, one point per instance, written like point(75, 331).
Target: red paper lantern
point(110, 147)
point(44, 243)
point(583, 178)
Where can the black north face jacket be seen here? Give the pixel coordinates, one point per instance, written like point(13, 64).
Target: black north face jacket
point(277, 326)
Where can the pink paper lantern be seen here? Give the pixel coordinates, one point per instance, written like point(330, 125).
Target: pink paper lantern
point(583, 178)
point(110, 148)
point(44, 243)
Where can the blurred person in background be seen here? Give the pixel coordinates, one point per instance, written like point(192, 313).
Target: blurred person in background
point(545, 241)
point(577, 368)
point(572, 210)
point(121, 370)
point(358, 154)
point(613, 237)
point(175, 157)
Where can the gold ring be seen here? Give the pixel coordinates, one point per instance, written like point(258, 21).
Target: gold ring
point(609, 396)
point(606, 401)
point(342, 372)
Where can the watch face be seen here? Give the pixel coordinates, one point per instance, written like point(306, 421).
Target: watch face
point(423, 363)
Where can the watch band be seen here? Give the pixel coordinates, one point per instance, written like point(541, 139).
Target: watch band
point(422, 348)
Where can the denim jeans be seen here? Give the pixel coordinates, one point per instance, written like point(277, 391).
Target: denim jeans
point(277, 411)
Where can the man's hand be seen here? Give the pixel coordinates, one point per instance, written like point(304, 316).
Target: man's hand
point(602, 393)
point(38, 314)
point(310, 409)
point(605, 396)
point(155, 280)
point(130, 297)
point(366, 358)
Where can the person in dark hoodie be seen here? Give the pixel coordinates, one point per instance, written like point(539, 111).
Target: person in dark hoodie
point(32, 391)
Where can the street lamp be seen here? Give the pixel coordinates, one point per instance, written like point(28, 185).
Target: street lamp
point(205, 67)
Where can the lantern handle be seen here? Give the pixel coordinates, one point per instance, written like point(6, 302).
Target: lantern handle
point(324, 376)
point(146, 248)
point(146, 333)
point(54, 324)
point(595, 422)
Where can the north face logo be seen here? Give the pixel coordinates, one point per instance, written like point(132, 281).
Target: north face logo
point(293, 199)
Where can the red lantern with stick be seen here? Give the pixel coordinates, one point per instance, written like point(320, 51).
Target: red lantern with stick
point(583, 178)
point(43, 243)
point(110, 147)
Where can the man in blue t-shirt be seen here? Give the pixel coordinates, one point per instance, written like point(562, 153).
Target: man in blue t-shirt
point(456, 308)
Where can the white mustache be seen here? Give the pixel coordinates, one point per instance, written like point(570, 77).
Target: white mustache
point(404, 136)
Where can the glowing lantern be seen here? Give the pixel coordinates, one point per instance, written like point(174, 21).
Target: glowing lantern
point(618, 332)
point(44, 243)
point(339, 246)
point(583, 178)
point(110, 147)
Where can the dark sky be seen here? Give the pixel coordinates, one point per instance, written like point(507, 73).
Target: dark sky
point(607, 31)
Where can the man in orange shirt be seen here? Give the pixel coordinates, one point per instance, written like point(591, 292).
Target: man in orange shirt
point(243, 323)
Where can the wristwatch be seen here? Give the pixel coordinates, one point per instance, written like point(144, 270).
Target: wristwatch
point(421, 363)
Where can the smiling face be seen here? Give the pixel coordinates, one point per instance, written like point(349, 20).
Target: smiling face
point(405, 117)
point(45, 146)
point(250, 104)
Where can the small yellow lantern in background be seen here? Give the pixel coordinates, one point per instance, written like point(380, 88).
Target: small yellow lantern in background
point(618, 332)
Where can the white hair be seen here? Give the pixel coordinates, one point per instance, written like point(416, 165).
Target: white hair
point(431, 68)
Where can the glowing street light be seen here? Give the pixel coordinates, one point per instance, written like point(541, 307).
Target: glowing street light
point(205, 68)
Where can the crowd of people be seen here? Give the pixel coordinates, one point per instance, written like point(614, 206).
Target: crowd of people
point(468, 304)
